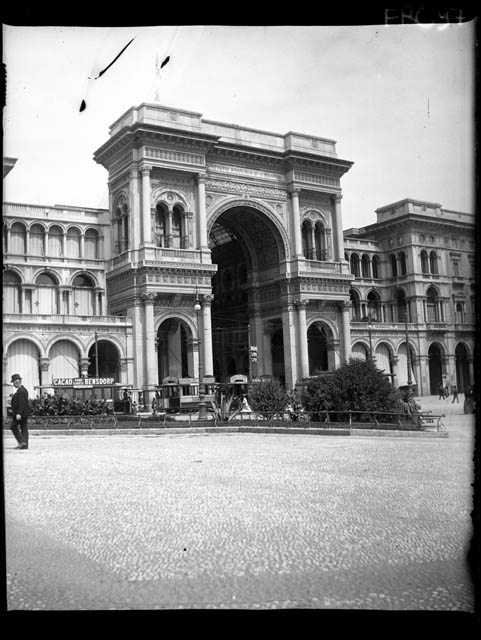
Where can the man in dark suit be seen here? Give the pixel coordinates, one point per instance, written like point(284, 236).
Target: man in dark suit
point(20, 412)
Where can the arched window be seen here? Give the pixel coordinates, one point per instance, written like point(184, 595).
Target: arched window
point(161, 225)
point(83, 296)
point(178, 231)
point(355, 265)
point(55, 248)
point(375, 267)
point(355, 305)
point(433, 262)
point(424, 261)
point(402, 263)
point(46, 294)
point(120, 226)
point(432, 305)
point(37, 240)
point(91, 244)
point(12, 292)
point(320, 242)
point(366, 266)
point(374, 306)
point(307, 247)
point(5, 238)
point(401, 305)
point(73, 242)
point(393, 262)
point(18, 239)
point(459, 313)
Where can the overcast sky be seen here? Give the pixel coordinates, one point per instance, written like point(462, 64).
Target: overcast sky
point(398, 100)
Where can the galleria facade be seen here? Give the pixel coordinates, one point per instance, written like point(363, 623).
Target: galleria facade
point(248, 225)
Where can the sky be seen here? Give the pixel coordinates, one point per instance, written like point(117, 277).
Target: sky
point(397, 99)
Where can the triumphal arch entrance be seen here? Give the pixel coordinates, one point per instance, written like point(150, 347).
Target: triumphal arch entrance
point(247, 224)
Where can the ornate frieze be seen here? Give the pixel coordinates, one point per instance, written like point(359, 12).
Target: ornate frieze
point(245, 171)
point(311, 178)
point(181, 157)
point(246, 189)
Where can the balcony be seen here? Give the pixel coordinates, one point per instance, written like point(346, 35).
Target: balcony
point(57, 319)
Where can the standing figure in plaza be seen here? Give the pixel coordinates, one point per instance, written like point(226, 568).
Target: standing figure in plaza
point(469, 400)
point(20, 412)
point(441, 392)
point(454, 391)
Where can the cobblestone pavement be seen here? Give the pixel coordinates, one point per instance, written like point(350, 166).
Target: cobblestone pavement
point(241, 521)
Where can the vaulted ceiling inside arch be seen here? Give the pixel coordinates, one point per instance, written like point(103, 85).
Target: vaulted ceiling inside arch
point(257, 236)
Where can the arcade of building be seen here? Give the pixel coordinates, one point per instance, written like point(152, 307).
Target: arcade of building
point(248, 225)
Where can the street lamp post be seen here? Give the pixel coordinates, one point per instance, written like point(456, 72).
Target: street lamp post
point(202, 412)
point(408, 351)
point(369, 330)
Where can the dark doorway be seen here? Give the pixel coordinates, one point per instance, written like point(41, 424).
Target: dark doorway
point(317, 349)
point(462, 367)
point(435, 368)
point(108, 361)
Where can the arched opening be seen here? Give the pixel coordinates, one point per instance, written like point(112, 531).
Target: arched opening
point(64, 360)
point(277, 354)
point(401, 305)
point(432, 305)
point(91, 244)
point(384, 360)
point(23, 357)
point(374, 306)
point(317, 349)
point(376, 273)
point(393, 262)
point(55, 242)
point(37, 240)
point(18, 239)
point(433, 262)
point(47, 295)
point(161, 225)
point(355, 265)
point(307, 246)
point(175, 350)
point(435, 368)
point(104, 360)
point(424, 262)
point(247, 248)
point(359, 351)
point(402, 263)
point(73, 242)
point(83, 296)
point(12, 292)
point(405, 369)
point(355, 305)
point(366, 266)
point(462, 367)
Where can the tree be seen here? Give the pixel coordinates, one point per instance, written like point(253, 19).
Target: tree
point(356, 386)
point(267, 397)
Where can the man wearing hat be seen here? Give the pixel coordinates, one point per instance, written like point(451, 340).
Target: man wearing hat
point(20, 412)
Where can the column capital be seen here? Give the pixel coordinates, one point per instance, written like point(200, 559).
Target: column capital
point(294, 191)
point(207, 300)
point(148, 298)
point(200, 178)
point(337, 197)
point(44, 364)
point(145, 169)
point(301, 304)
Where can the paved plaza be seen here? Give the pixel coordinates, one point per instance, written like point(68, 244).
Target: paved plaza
point(241, 521)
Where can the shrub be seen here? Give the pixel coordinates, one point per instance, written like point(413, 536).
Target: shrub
point(356, 386)
point(267, 397)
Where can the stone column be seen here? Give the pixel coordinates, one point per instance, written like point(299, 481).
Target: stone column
point(296, 222)
point(207, 336)
point(346, 331)
point(84, 367)
point(290, 355)
point(188, 229)
point(302, 337)
point(82, 245)
point(328, 237)
point(146, 222)
point(267, 347)
point(170, 235)
point(202, 214)
point(339, 236)
point(135, 210)
point(471, 369)
point(149, 342)
point(44, 377)
point(395, 362)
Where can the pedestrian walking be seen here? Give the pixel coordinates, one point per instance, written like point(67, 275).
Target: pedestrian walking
point(20, 412)
point(454, 391)
point(441, 392)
